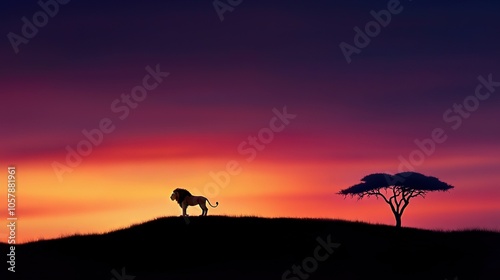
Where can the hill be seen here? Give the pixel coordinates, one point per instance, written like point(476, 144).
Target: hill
point(219, 247)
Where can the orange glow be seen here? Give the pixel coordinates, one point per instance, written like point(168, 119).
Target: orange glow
point(100, 196)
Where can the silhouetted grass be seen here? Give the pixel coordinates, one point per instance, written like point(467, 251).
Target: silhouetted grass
point(218, 247)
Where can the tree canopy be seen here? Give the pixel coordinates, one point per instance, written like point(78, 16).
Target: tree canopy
point(404, 180)
point(398, 189)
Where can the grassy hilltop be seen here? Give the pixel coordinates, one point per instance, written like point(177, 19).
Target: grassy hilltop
point(219, 247)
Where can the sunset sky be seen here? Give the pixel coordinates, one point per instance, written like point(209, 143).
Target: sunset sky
point(230, 80)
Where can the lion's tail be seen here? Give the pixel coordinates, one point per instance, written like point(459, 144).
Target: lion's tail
point(216, 203)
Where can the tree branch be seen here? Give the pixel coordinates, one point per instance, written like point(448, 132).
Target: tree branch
point(406, 198)
point(395, 197)
point(419, 193)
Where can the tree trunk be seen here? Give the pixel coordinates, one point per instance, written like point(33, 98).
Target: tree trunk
point(398, 219)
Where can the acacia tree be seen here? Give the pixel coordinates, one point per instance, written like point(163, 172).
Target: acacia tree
point(396, 190)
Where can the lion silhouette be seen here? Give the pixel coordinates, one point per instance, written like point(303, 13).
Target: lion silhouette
point(185, 199)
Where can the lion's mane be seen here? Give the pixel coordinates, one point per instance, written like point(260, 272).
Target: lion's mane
point(182, 194)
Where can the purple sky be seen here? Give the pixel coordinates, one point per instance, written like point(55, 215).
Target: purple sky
point(226, 77)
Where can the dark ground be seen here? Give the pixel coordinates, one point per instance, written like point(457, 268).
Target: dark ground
point(217, 247)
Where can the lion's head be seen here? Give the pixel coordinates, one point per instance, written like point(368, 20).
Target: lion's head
point(179, 195)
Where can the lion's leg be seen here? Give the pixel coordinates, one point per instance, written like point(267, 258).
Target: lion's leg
point(204, 208)
point(184, 209)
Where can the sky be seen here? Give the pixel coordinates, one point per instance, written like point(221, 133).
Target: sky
point(268, 108)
